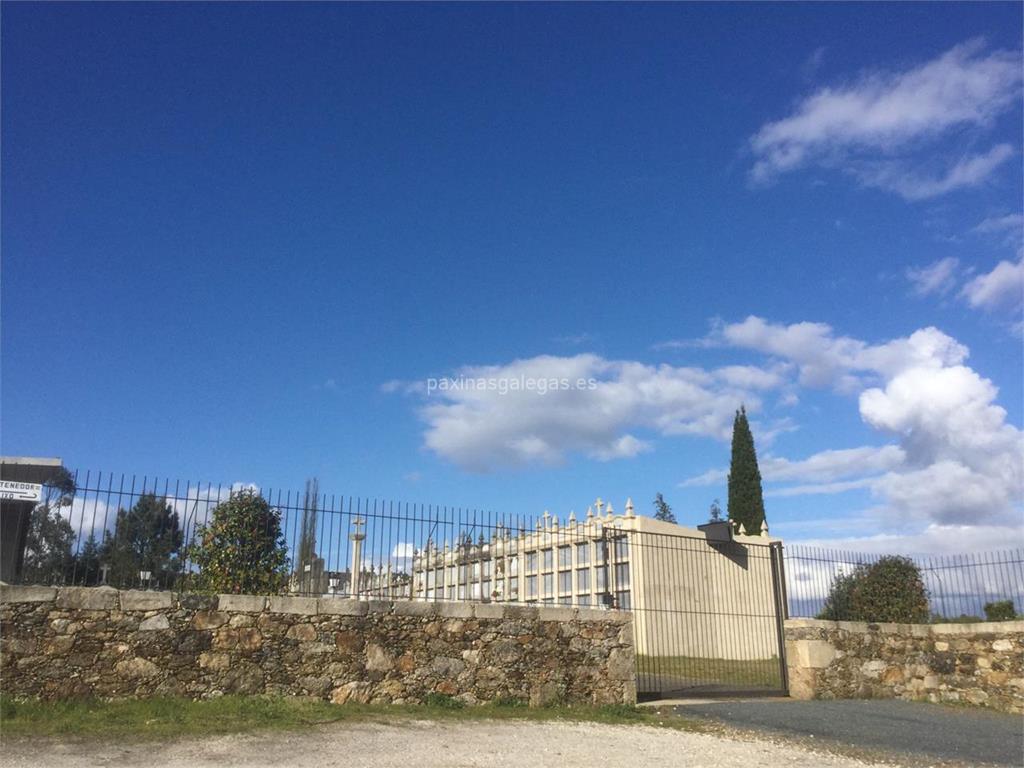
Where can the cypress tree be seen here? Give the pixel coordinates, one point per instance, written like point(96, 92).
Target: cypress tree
point(746, 504)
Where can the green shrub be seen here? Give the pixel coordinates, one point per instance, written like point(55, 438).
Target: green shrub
point(1000, 610)
point(888, 590)
point(443, 700)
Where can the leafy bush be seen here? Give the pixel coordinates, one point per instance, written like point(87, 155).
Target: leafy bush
point(1000, 610)
point(888, 590)
point(242, 550)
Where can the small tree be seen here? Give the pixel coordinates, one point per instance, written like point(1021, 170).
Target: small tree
point(746, 501)
point(662, 511)
point(242, 550)
point(304, 571)
point(146, 537)
point(715, 512)
point(87, 563)
point(888, 590)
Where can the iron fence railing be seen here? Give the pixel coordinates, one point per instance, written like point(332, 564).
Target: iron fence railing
point(958, 585)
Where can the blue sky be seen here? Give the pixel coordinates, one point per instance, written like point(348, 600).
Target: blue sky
point(238, 239)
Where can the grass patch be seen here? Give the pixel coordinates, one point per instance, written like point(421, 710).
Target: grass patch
point(692, 670)
point(172, 717)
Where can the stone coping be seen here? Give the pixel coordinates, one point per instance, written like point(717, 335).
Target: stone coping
point(108, 598)
point(917, 630)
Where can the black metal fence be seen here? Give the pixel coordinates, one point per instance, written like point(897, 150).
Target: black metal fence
point(959, 586)
point(142, 532)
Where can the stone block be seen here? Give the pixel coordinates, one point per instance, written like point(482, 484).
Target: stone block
point(415, 608)
point(810, 654)
point(378, 606)
point(154, 623)
point(242, 603)
point(16, 593)
point(144, 600)
point(340, 606)
point(299, 606)
point(489, 611)
point(87, 598)
point(556, 613)
point(456, 610)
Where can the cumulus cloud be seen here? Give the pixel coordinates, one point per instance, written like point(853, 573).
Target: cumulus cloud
point(481, 428)
point(863, 126)
point(937, 278)
point(824, 359)
point(956, 458)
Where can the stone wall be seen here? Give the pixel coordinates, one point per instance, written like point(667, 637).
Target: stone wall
point(979, 663)
point(78, 642)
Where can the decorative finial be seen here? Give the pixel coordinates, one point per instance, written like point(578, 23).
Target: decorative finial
point(743, 530)
point(611, 512)
point(764, 528)
point(572, 516)
point(590, 512)
point(599, 504)
point(629, 508)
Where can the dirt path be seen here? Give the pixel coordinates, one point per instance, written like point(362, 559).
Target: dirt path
point(431, 744)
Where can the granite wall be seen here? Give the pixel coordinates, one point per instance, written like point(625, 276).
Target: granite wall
point(81, 642)
point(980, 663)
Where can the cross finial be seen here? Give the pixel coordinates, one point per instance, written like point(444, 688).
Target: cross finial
point(599, 504)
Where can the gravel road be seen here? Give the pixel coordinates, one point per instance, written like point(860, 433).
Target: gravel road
point(429, 744)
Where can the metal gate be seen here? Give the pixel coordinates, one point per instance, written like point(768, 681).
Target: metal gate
point(708, 617)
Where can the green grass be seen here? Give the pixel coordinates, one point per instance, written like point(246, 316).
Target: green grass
point(169, 718)
point(692, 670)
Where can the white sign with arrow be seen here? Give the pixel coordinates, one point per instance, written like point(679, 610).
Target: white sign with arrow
point(11, 490)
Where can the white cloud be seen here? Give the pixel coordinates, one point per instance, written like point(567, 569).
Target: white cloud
point(1002, 288)
point(1011, 222)
point(957, 459)
point(861, 127)
point(933, 539)
point(937, 278)
point(824, 359)
point(902, 178)
point(481, 429)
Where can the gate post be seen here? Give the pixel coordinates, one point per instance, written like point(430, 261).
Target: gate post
point(781, 609)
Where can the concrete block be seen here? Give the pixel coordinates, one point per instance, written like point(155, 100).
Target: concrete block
point(557, 613)
point(242, 603)
point(489, 611)
point(522, 612)
point(378, 606)
point(592, 614)
point(301, 606)
point(16, 593)
point(87, 598)
point(809, 654)
point(341, 606)
point(415, 608)
point(456, 610)
point(142, 600)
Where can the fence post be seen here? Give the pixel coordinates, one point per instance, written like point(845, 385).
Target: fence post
point(781, 610)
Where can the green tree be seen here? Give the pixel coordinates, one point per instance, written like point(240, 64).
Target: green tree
point(890, 589)
point(746, 502)
point(307, 538)
point(87, 562)
point(662, 511)
point(242, 550)
point(146, 537)
point(49, 540)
